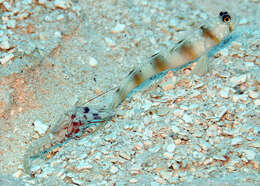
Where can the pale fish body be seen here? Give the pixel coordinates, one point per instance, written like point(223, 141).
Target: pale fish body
point(186, 52)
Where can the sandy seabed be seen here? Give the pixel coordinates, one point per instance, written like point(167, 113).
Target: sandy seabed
point(181, 129)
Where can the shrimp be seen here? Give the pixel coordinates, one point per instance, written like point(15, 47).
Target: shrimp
point(70, 125)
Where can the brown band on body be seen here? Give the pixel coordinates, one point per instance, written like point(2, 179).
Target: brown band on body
point(187, 50)
point(208, 34)
point(138, 78)
point(159, 63)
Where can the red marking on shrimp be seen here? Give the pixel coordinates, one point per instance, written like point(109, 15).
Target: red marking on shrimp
point(74, 129)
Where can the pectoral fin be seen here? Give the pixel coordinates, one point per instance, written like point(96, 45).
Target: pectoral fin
point(202, 65)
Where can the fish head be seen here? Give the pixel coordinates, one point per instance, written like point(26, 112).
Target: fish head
point(229, 19)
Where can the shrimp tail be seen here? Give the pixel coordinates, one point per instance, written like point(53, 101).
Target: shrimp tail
point(37, 150)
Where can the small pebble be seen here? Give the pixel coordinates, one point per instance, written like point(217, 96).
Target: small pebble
point(60, 173)
point(63, 4)
point(171, 147)
point(249, 154)
point(147, 19)
point(168, 87)
point(197, 155)
point(195, 93)
point(255, 144)
point(236, 141)
point(138, 146)
point(83, 166)
point(178, 113)
point(11, 23)
point(175, 129)
point(113, 169)
point(133, 180)
point(238, 79)
point(92, 62)
point(174, 22)
point(165, 175)
point(224, 52)
point(77, 181)
point(219, 157)
point(236, 45)
point(6, 58)
point(154, 184)
point(7, 6)
point(253, 94)
point(42, 2)
point(208, 161)
point(18, 174)
point(124, 155)
point(60, 17)
point(155, 149)
point(187, 118)
point(110, 42)
point(58, 34)
point(257, 102)
point(27, 2)
point(160, 180)
point(224, 93)
point(4, 45)
point(250, 60)
point(35, 168)
point(48, 18)
point(118, 28)
point(40, 127)
point(168, 155)
point(235, 98)
point(212, 131)
point(205, 145)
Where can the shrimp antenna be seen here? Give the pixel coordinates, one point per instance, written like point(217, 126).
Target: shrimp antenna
point(102, 94)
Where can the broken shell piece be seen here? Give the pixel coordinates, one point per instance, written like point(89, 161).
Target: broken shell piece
point(5, 45)
point(118, 28)
point(83, 166)
point(6, 58)
point(224, 93)
point(257, 102)
point(40, 127)
point(93, 62)
point(236, 141)
point(238, 79)
point(253, 94)
point(110, 42)
point(63, 4)
point(114, 170)
point(249, 154)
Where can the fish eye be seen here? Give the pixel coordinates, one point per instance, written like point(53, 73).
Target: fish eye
point(226, 18)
